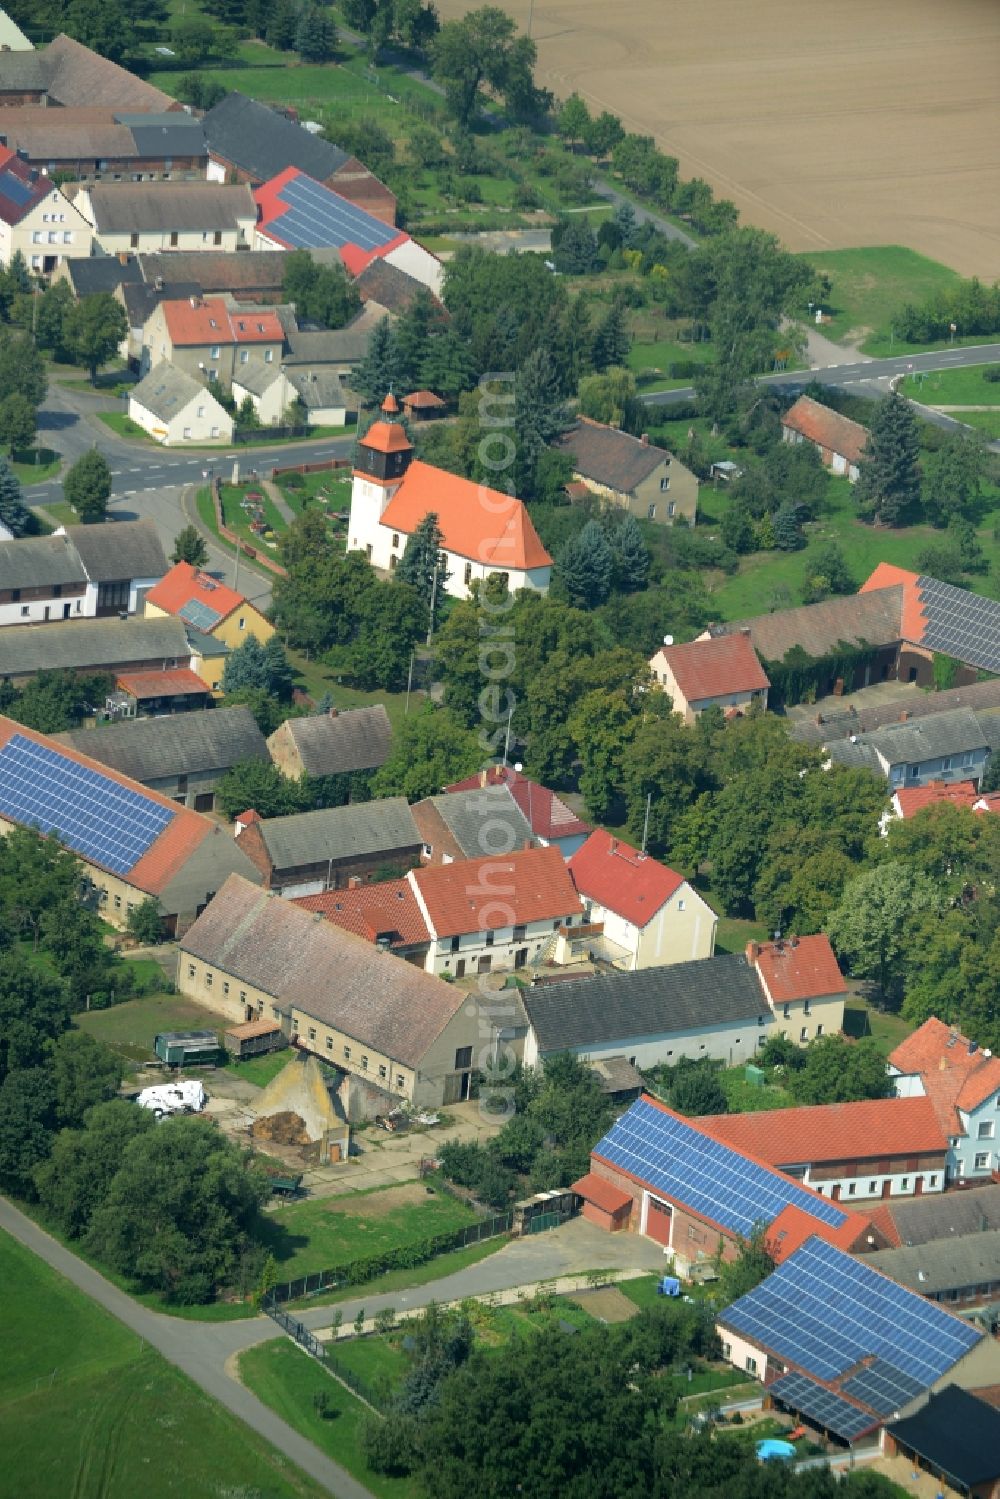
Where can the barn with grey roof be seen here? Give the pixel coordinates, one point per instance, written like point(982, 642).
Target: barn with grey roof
point(310, 852)
point(334, 743)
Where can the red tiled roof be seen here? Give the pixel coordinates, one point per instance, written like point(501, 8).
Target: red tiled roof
point(371, 910)
point(19, 192)
point(249, 817)
point(793, 1226)
point(475, 895)
point(820, 424)
point(194, 322)
point(912, 799)
point(169, 851)
point(142, 684)
point(881, 1218)
point(914, 619)
point(185, 584)
point(883, 1127)
point(621, 879)
point(603, 1194)
point(955, 1072)
point(802, 968)
point(479, 523)
point(547, 814)
point(386, 437)
point(423, 400)
point(714, 668)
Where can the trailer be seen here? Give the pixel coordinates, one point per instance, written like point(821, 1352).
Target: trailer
point(253, 1039)
point(188, 1048)
point(173, 1098)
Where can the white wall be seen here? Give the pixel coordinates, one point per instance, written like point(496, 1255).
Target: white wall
point(33, 612)
point(733, 1043)
point(869, 1188)
point(215, 424)
point(473, 946)
point(737, 1351)
point(419, 263)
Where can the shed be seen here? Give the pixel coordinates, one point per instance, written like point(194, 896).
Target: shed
point(186, 1048)
point(253, 1038)
point(603, 1203)
point(956, 1437)
point(420, 405)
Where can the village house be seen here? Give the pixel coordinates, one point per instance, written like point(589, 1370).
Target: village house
point(712, 1008)
point(79, 572)
point(154, 694)
point(485, 533)
point(386, 1023)
point(318, 396)
point(123, 560)
point(469, 824)
point(803, 984)
point(962, 1271)
point(209, 607)
point(630, 473)
point(251, 142)
point(69, 74)
point(208, 340)
point(962, 1080)
point(36, 220)
point(133, 844)
point(93, 143)
point(910, 801)
point(183, 757)
point(915, 1221)
point(253, 275)
point(720, 673)
point(478, 916)
point(145, 217)
point(650, 914)
point(876, 1148)
point(173, 407)
point(309, 852)
point(915, 752)
point(840, 442)
point(553, 824)
point(337, 743)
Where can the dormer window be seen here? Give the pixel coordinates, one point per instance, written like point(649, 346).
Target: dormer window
point(212, 323)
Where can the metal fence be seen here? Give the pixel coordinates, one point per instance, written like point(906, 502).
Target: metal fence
point(360, 1271)
point(322, 1351)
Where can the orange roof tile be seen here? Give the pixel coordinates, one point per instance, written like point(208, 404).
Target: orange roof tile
point(142, 684)
point(793, 1226)
point(476, 522)
point(800, 968)
point(714, 668)
point(547, 814)
point(192, 322)
point(887, 575)
point(882, 1221)
point(386, 437)
point(371, 910)
point(169, 850)
point(602, 1193)
point(822, 425)
point(475, 895)
point(621, 879)
point(913, 799)
point(883, 1127)
point(956, 1073)
point(184, 585)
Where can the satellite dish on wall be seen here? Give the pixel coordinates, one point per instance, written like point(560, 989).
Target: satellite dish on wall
point(668, 640)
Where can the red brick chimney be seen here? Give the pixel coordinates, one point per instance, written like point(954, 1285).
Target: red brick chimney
point(753, 953)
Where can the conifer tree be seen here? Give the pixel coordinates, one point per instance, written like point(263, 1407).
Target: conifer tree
point(631, 556)
point(421, 559)
point(381, 369)
point(889, 481)
point(585, 567)
point(13, 511)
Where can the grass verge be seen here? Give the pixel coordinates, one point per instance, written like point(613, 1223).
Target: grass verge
point(260, 1070)
point(967, 386)
point(35, 465)
point(124, 426)
point(869, 286)
point(405, 1280)
point(129, 1028)
point(84, 1405)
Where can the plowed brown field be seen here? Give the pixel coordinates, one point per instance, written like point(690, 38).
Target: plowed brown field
point(832, 122)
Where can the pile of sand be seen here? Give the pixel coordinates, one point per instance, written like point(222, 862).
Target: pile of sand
point(283, 1129)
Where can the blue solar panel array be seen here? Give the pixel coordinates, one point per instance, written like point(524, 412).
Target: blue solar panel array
point(93, 814)
point(882, 1386)
point(825, 1311)
point(14, 190)
point(821, 1406)
point(960, 623)
point(711, 1178)
point(200, 615)
point(317, 218)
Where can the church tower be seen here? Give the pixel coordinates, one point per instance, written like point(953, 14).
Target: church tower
point(383, 456)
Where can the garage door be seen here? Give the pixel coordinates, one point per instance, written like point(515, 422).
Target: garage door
point(658, 1221)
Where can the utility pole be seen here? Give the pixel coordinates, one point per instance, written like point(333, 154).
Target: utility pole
point(434, 590)
point(506, 743)
point(409, 684)
point(645, 825)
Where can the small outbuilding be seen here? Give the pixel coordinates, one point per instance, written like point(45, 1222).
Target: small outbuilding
point(174, 408)
point(956, 1438)
point(839, 441)
point(421, 405)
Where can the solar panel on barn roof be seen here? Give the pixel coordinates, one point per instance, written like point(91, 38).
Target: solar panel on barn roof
point(315, 217)
point(821, 1406)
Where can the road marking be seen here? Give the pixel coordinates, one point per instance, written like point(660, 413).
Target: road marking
point(127, 492)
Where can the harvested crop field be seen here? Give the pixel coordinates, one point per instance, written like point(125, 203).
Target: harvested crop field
point(832, 124)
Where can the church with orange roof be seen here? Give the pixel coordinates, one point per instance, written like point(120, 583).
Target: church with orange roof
point(484, 531)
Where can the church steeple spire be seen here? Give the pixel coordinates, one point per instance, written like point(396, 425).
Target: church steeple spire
point(385, 451)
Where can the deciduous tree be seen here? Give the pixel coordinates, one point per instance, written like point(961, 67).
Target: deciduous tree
point(87, 486)
point(189, 546)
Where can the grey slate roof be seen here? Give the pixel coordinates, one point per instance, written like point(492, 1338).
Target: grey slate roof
point(617, 1075)
point(263, 143)
point(218, 270)
point(946, 1215)
point(79, 77)
point(257, 378)
point(152, 749)
point(167, 389)
point(90, 274)
point(942, 1264)
point(20, 71)
point(982, 697)
point(390, 287)
point(127, 207)
point(334, 744)
point(873, 619)
point(356, 831)
point(39, 562)
point(614, 1006)
point(91, 645)
point(608, 456)
point(956, 1433)
point(468, 814)
point(171, 133)
point(320, 388)
point(857, 756)
point(120, 549)
point(141, 300)
point(336, 345)
point(920, 739)
point(332, 975)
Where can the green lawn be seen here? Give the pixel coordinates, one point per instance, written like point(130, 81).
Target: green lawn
point(316, 679)
point(332, 489)
point(260, 1070)
point(870, 285)
point(238, 519)
point(124, 426)
point(322, 1235)
point(85, 1407)
point(419, 1275)
point(60, 513)
point(863, 1019)
point(130, 1027)
point(35, 465)
point(651, 362)
point(287, 1380)
point(987, 422)
point(733, 934)
point(960, 387)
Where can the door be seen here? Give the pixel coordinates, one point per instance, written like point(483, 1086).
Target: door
point(204, 801)
point(485, 963)
point(918, 1187)
point(835, 1192)
point(521, 957)
point(67, 610)
point(658, 1221)
point(460, 968)
point(886, 1189)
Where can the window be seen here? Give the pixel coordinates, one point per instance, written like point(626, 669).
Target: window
point(381, 1072)
point(191, 970)
point(243, 622)
point(428, 849)
point(463, 1058)
point(215, 431)
point(651, 512)
point(244, 356)
point(519, 933)
point(186, 432)
point(201, 411)
point(215, 351)
point(275, 1013)
point(681, 905)
point(209, 980)
point(983, 1161)
point(751, 1365)
point(819, 1030)
point(807, 1007)
point(36, 237)
point(347, 1053)
point(217, 237)
point(456, 943)
point(243, 996)
point(399, 1079)
point(872, 1188)
point(488, 939)
point(985, 1130)
point(904, 1184)
point(312, 1033)
point(946, 763)
point(133, 240)
point(364, 1064)
point(25, 611)
point(804, 1033)
point(932, 1181)
point(118, 905)
point(556, 925)
point(329, 1043)
point(851, 1189)
point(468, 574)
point(665, 483)
point(67, 236)
point(225, 988)
point(174, 240)
point(395, 540)
point(785, 1009)
point(268, 356)
point(913, 770)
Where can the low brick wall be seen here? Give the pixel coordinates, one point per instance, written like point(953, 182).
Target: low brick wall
point(329, 465)
point(236, 541)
